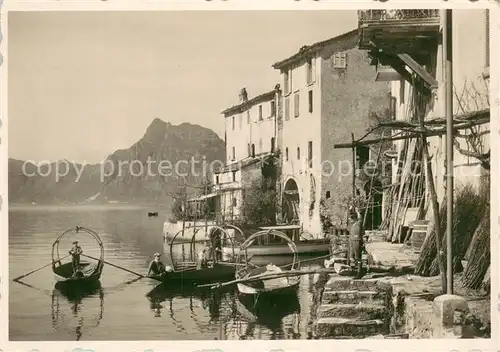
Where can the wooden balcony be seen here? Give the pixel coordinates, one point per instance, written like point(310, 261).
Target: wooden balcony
point(415, 32)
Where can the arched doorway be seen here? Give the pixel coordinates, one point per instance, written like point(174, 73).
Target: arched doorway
point(374, 210)
point(291, 201)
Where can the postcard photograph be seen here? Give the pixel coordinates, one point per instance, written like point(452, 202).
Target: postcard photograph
point(249, 175)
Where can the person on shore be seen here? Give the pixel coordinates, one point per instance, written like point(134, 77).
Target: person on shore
point(216, 239)
point(75, 252)
point(356, 234)
point(156, 267)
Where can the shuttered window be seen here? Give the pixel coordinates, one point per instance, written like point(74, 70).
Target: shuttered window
point(296, 107)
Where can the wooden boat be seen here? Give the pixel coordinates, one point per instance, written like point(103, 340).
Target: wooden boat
point(189, 270)
point(270, 246)
point(267, 287)
point(88, 272)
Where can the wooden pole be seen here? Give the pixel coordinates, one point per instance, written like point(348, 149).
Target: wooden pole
point(353, 167)
point(116, 266)
point(40, 268)
point(448, 59)
point(435, 208)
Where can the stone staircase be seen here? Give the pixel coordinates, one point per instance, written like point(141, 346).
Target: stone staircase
point(353, 309)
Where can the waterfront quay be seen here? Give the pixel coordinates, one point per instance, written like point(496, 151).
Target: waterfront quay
point(389, 302)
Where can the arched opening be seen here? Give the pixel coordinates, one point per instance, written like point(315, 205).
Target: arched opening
point(291, 202)
point(374, 209)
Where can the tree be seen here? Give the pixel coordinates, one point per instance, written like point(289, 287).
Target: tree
point(259, 206)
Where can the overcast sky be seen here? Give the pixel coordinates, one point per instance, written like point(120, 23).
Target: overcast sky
point(83, 84)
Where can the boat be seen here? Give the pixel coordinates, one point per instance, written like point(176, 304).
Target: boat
point(188, 270)
point(89, 272)
point(152, 214)
point(270, 246)
point(279, 286)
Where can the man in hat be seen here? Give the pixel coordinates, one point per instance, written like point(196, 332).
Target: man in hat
point(356, 233)
point(156, 267)
point(75, 253)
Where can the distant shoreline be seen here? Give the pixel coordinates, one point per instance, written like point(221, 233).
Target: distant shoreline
point(67, 207)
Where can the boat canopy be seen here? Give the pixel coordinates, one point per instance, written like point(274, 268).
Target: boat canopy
point(56, 258)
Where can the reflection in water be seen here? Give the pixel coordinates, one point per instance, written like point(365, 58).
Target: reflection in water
point(272, 314)
point(130, 238)
point(210, 300)
point(73, 297)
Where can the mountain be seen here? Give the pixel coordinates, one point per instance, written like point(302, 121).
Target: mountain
point(149, 171)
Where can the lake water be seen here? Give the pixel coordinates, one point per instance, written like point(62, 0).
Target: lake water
point(123, 307)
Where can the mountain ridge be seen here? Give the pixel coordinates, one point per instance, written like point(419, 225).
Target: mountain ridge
point(124, 176)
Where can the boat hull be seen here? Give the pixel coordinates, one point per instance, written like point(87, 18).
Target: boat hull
point(290, 289)
point(269, 288)
point(63, 274)
point(217, 273)
point(319, 247)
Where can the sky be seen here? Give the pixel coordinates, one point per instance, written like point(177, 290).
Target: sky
point(84, 84)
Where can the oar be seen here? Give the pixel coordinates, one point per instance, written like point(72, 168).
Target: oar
point(268, 277)
point(34, 271)
point(120, 267)
point(307, 260)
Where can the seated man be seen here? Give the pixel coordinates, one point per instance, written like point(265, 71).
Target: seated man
point(156, 267)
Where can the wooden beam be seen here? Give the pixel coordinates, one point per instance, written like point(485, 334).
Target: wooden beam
point(409, 136)
point(419, 70)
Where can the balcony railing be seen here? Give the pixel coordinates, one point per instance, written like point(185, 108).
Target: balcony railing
point(396, 14)
point(415, 32)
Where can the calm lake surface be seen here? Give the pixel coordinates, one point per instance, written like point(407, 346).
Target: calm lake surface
point(122, 307)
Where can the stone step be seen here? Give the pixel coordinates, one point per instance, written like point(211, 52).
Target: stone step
point(341, 283)
point(353, 311)
point(337, 327)
point(353, 296)
point(417, 238)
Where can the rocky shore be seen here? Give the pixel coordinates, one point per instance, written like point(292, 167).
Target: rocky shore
point(390, 302)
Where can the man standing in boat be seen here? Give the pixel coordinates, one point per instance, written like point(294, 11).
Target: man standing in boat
point(356, 233)
point(75, 253)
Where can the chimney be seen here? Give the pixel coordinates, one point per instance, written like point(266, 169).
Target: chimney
point(243, 95)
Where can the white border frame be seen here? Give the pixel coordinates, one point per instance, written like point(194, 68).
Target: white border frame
point(479, 345)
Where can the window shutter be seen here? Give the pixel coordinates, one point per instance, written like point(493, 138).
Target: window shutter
point(287, 109)
point(296, 105)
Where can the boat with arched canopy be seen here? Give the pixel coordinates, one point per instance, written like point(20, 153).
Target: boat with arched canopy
point(87, 272)
point(187, 269)
point(251, 274)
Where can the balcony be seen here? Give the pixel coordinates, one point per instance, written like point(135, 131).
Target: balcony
point(414, 32)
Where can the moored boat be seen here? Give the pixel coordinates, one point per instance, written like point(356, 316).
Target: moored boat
point(85, 272)
point(269, 280)
point(195, 270)
point(270, 246)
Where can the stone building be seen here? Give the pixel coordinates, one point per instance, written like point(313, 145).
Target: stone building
point(250, 136)
point(329, 93)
